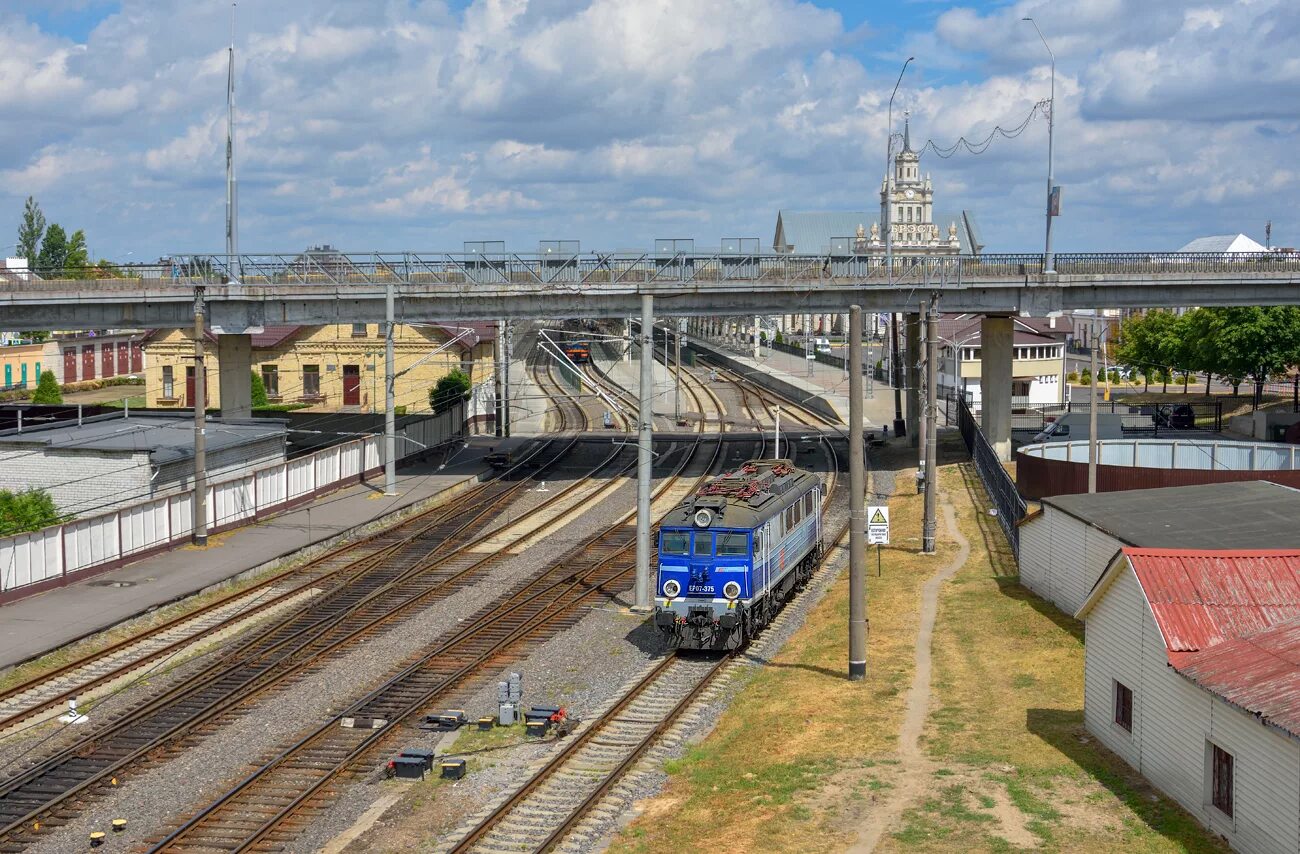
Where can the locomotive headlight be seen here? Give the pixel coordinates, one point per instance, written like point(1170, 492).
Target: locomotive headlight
point(672, 588)
point(731, 590)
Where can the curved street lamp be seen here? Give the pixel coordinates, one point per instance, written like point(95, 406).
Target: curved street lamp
point(1049, 260)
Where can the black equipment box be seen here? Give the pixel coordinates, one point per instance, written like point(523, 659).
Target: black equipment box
point(425, 756)
point(541, 713)
point(408, 767)
point(452, 769)
point(537, 728)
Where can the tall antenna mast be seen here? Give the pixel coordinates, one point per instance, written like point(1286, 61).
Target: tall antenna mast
point(232, 192)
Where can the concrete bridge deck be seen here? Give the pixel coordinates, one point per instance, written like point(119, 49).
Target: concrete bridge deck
point(258, 290)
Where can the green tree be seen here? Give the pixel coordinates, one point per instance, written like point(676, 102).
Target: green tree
point(1150, 340)
point(1251, 342)
point(29, 510)
point(450, 390)
point(77, 258)
point(258, 390)
point(54, 249)
point(30, 231)
point(47, 389)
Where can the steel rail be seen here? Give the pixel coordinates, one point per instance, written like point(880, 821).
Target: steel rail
point(525, 595)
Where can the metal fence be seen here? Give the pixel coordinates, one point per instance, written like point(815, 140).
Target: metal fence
point(1151, 418)
point(1008, 504)
point(671, 261)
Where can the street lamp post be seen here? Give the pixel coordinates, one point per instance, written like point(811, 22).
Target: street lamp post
point(900, 426)
point(1049, 260)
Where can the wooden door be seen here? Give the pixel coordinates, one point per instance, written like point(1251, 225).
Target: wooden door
point(70, 365)
point(88, 362)
point(123, 358)
point(351, 385)
point(137, 357)
point(189, 385)
point(106, 359)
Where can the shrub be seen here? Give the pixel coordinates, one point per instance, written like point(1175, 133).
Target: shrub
point(1114, 377)
point(450, 390)
point(1072, 377)
point(258, 390)
point(47, 389)
point(29, 510)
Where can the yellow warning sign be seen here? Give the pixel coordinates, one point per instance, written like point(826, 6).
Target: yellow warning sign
point(878, 525)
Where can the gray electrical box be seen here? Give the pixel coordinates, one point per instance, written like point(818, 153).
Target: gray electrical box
point(507, 714)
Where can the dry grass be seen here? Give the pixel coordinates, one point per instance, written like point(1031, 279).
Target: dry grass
point(1006, 726)
point(802, 755)
point(816, 728)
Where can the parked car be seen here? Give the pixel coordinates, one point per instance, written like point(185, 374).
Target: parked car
point(822, 345)
point(1073, 426)
point(1180, 417)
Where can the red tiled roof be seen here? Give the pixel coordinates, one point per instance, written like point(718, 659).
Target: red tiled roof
point(1201, 598)
point(270, 336)
point(1259, 672)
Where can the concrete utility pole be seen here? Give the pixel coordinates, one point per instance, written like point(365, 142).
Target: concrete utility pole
point(644, 455)
point(1092, 412)
point(758, 340)
point(390, 387)
point(931, 426)
point(900, 426)
point(199, 535)
point(857, 507)
point(919, 435)
point(498, 397)
point(505, 377)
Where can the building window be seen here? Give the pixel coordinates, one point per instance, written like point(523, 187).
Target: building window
point(358, 330)
point(1124, 706)
point(311, 380)
point(271, 380)
point(169, 383)
point(1221, 780)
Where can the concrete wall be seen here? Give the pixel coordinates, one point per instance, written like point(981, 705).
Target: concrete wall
point(773, 384)
point(222, 465)
point(1174, 723)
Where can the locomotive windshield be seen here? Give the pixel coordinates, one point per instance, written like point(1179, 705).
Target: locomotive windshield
point(703, 543)
point(675, 542)
point(732, 544)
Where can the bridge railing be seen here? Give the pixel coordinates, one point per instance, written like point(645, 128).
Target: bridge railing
point(581, 270)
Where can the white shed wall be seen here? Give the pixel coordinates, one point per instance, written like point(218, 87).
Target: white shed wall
point(81, 482)
point(1061, 558)
point(1174, 720)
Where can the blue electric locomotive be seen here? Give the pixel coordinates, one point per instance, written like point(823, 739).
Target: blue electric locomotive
point(732, 553)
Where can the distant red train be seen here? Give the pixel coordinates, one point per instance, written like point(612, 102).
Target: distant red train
point(579, 352)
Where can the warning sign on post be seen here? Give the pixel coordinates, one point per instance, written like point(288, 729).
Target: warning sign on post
point(877, 525)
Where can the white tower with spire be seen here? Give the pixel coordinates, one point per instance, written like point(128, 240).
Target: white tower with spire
point(912, 198)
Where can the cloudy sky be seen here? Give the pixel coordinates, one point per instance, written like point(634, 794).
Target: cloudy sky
point(415, 124)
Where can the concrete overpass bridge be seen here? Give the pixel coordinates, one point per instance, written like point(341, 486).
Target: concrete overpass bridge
point(246, 292)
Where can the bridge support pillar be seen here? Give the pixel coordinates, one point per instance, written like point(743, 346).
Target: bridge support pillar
point(996, 349)
point(235, 361)
point(912, 376)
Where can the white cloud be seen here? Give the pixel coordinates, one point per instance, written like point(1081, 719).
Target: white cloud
point(615, 121)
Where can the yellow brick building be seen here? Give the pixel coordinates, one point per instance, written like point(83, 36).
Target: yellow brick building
point(326, 368)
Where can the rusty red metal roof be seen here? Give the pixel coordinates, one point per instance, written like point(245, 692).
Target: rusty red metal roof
point(1259, 673)
point(1201, 598)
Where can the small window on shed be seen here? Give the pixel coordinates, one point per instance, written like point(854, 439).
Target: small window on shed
point(1124, 706)
point(1221, 779)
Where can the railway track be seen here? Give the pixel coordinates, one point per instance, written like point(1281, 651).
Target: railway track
point(90, 676)
point(551, 806)
point(163, 642)
point(262, 811)
point(415, 565)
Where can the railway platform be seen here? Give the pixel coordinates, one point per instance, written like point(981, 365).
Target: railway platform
point(40, 624)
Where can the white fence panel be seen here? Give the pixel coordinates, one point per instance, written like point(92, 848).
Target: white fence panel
point(1154, 455)
point(271, 487)
point(1231, 455)
point(87, 542)
point(327, 467)
point(233, 500)
point(1272, 459)
point(302, 476)
point(374, 458)
point(350, 460)
point(144, 526)
point(182, 514)
point(31, 558)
